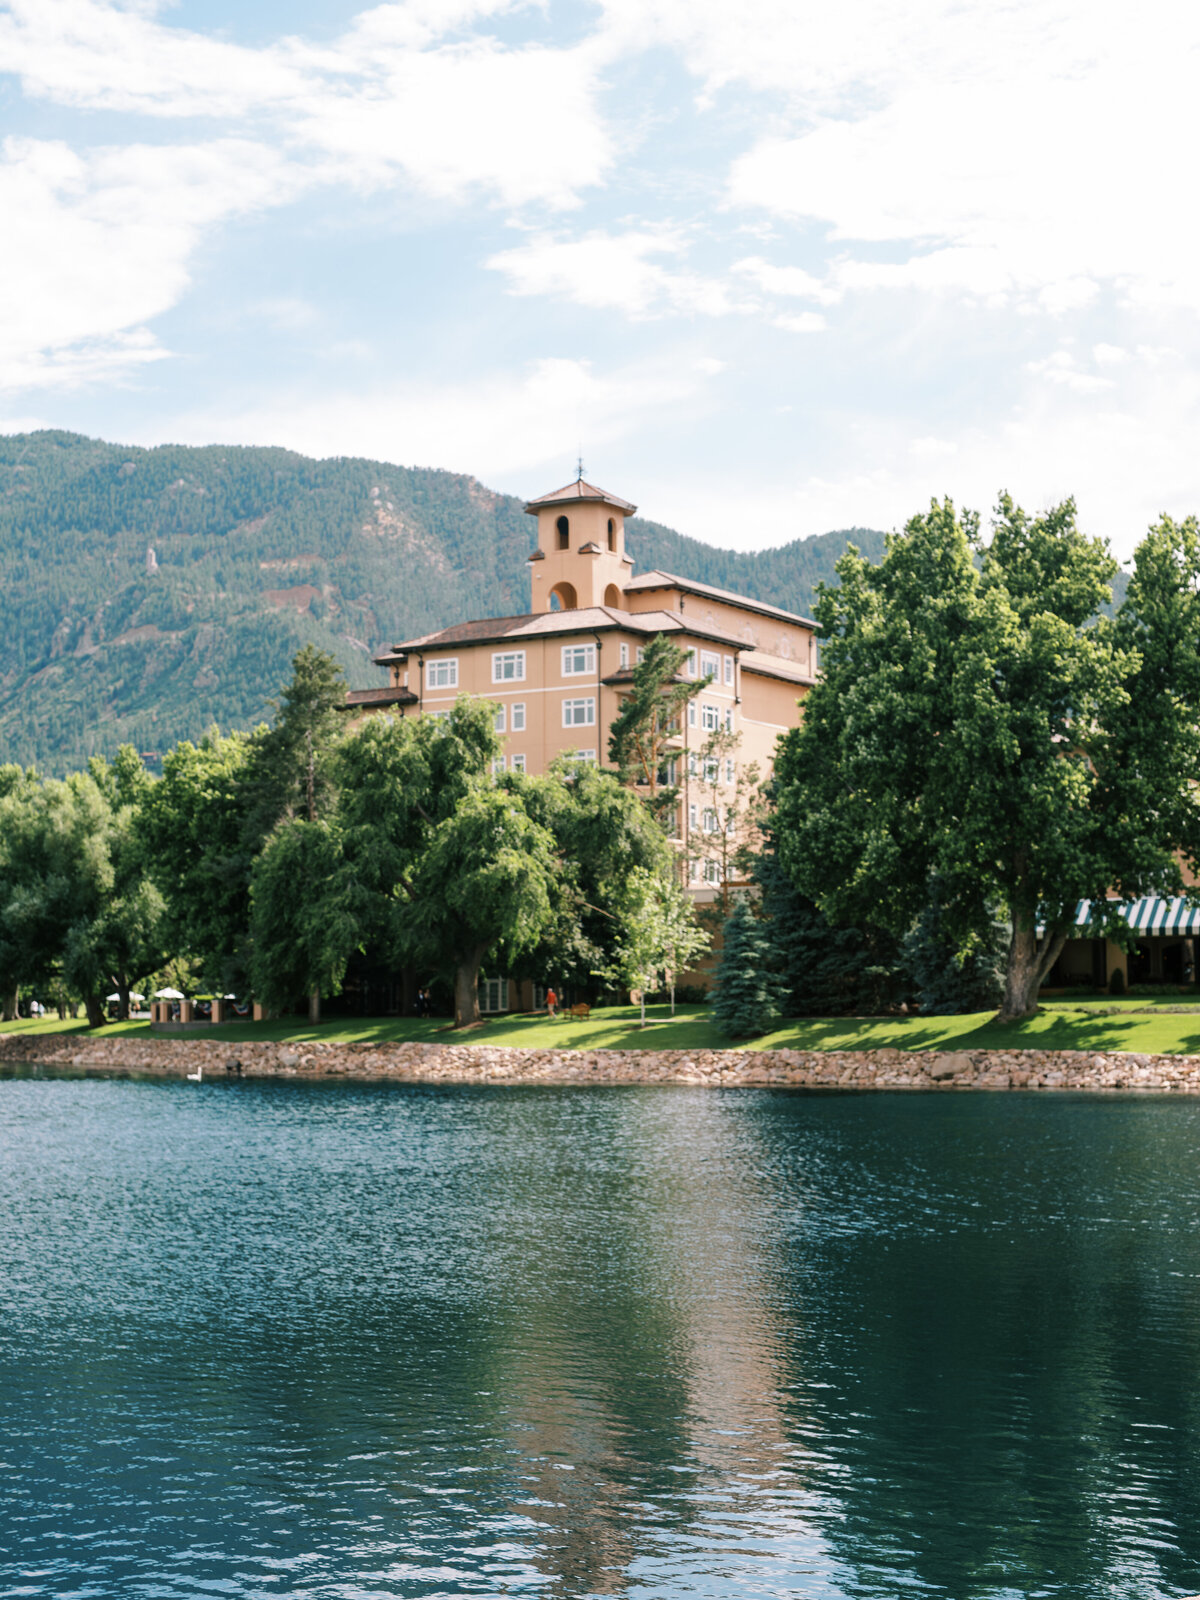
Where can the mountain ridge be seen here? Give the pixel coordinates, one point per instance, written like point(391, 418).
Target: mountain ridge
point(256, 551)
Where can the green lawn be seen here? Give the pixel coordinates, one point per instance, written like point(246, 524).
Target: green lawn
point(1061, 1025)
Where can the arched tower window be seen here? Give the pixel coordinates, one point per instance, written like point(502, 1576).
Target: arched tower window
point(562, 596)
point(612, 533)
point(563, 528)
point(612, 596)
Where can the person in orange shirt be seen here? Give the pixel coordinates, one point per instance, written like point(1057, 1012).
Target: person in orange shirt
point(551, 1002)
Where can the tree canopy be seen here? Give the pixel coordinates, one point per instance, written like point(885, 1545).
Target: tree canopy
point(975, 720)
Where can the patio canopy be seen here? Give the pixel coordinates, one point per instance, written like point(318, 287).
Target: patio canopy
point(1152, 915)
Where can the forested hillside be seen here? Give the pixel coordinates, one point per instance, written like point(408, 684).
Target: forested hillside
point(257, 551)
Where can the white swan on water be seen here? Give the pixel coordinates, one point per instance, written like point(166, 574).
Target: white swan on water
point(195, 1077)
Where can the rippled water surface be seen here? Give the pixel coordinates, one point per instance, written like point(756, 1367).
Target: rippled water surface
point(292, 1339)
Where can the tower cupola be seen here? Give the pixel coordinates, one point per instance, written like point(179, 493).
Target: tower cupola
point(580, 558)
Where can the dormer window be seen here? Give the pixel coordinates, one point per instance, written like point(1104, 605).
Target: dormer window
point(612, 533)
point(563, 529)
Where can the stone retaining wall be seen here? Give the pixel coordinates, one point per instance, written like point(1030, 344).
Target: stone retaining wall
point(484, 1063)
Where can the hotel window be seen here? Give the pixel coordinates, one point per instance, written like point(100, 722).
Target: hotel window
point(729, 672)
point(624, 655)
point(498, 720)
point(710, 665)
point(588, 757)
point(508, 667)
point(729, 770)
point(728, 719)
point(641, 652)
point(518, 717)
point(712, 823)
point(493, 994)
point(712, 872)
point(710, 718)
point(691, 763)
point(692, 814)
point(693, 870)
point(438, 716)
point(498, 767)
point(691, 713)
point(689, 666)
point(712, 770)
point(579, 713)
point(518, 763)
point(443, 674)
point(670, 773)
point(577, 659)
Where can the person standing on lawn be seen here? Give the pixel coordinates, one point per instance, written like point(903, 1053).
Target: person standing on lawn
point(551, 1003)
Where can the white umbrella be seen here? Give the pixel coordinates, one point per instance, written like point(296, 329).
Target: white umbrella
point(168, 994)
point(132, 996)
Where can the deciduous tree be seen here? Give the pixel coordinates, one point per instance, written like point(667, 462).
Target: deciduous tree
point(970, 723)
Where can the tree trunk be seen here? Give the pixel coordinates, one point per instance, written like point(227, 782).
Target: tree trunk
point(314, 1006)
point(95, 1011)
point(672, 996)
point(643, 999)
point(11, 1004)
point(466, 988)
point(1029, 960)
point(122, 1000)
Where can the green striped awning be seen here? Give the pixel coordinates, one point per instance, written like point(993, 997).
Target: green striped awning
point(1152, 914)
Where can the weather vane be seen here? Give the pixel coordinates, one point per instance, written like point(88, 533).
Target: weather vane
point(580, 464)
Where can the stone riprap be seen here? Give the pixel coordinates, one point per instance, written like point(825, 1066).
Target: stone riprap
point(484, 1063)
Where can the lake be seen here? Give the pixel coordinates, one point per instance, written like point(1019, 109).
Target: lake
point(360, 1341)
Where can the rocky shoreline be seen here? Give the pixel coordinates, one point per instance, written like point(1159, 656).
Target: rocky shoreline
point(465, 1063)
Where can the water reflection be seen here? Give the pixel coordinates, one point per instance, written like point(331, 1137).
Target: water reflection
point(335, 1341)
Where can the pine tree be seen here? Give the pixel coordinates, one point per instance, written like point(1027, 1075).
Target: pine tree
point(748, 999)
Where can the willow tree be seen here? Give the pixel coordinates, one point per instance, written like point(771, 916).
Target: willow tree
point(975, 723)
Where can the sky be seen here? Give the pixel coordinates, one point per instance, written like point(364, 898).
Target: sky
point(774, 267)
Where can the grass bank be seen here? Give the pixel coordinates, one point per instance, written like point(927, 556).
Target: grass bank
point(1059, 1025)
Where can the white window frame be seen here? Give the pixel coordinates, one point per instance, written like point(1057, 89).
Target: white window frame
point(518, 763)
point(689, 666)
point(710, 718)
point(499, 720)
point(691, 713)
point(570, 660)
point(728, 719)
point(501, 659)
point(441, 672)
point(691, 764)
point(729, 672)
point(712, 770)
point(729, 769)
point(493, 995)
point(518, 716)
point(587, 720)
point(588, 757)
point(693, 813)
point(712, 872)
point(641, 653)
point(437, 716)
point(711, 822)
point(498, 767)
point(710, 665)
point(624, 655)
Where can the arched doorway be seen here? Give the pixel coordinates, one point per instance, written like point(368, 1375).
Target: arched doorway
point(562, 597)
point(612, 596)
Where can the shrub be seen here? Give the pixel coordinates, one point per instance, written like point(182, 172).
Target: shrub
point(1116, 982)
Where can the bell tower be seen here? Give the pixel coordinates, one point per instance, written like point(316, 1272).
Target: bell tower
point(580, 558)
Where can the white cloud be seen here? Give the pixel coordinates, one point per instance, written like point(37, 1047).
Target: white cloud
point(617, 271)
point(496, 425)
point(800, 322)
point(96, 246)
point(1030, 149)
